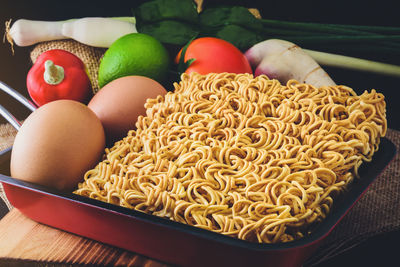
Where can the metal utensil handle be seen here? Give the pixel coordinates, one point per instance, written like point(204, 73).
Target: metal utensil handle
point(27, 103)
point(17, 96)
point(10, 118)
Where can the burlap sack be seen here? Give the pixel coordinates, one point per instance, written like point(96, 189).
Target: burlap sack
point(89, 55)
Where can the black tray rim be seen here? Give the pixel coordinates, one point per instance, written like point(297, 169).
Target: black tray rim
point(369, 171)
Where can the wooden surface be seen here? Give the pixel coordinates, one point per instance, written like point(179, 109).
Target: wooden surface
point(28, 241)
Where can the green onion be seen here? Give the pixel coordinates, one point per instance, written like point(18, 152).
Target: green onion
point(328, 59)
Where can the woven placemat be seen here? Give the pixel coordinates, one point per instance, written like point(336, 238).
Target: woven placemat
point(377, 212)
point(7, 135)
point(373, 214)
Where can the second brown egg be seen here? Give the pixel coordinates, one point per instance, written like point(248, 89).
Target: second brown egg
point(119, 103)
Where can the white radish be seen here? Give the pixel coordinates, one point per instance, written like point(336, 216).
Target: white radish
point(28, 32)
point(98, 32)
point(283, 60)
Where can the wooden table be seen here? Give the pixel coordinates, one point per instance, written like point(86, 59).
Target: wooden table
point(28, 243)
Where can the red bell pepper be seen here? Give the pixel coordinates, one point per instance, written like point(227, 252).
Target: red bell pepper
point(58, 74)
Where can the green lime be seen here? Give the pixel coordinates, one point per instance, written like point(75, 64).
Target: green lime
point(134, 54)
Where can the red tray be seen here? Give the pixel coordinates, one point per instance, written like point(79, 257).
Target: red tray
point(170, 241)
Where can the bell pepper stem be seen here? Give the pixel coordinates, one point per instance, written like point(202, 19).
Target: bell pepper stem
point(53, 74)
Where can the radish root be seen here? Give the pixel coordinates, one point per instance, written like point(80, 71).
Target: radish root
point(7, 35)
point(284, 61)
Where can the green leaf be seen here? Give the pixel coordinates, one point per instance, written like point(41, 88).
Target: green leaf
point(170, 32)
point(177, 21)
point(189, 62)
point(157, 10)
point(170, 21)
point(233, 24)
point(182, 64)
point(235, 15)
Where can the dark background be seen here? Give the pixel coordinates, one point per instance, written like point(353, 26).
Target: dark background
point(379, 251)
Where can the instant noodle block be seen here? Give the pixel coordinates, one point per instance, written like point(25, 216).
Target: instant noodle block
point(245, 157)
point(227, 170)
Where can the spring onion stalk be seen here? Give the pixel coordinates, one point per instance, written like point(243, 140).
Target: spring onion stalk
point(370, 29)
point(353, 49)
point(333, 60)
point(387, 44)
point(347, 38)
point(330, 28)
point(307, 26)
point(335, 33)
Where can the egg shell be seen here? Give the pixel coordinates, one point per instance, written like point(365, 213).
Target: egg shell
point(119, 104)
point(57, 144)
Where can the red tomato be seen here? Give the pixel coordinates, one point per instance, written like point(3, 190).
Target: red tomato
point(215, 55)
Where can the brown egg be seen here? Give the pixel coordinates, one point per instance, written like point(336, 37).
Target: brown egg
point(57, 144)
point(119, 103)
